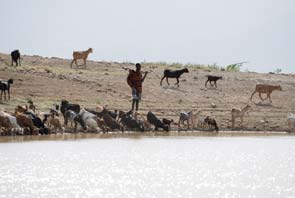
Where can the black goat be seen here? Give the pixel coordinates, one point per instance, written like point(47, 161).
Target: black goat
point(113, 114)
point(173, 74)
point(214, 79)
point(38, 123)
point(65, 105)
point(151, 118)
point(109, 120)
point(211, 123)
point(5, 86)
point(15, 57)
point(130, 122)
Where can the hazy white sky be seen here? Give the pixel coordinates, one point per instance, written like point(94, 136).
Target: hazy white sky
point(196, 31)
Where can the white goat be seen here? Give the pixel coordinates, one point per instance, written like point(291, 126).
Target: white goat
point(291, 121)
point(239, 113)
point(12, 119)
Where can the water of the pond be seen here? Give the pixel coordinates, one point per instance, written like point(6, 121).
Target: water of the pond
point(252, 166)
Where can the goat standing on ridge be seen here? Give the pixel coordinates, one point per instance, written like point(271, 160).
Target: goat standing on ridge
point(81, 55)
point(173, 74)
point(15, 57)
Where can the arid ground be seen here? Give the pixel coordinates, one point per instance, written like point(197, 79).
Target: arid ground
point(48, 80)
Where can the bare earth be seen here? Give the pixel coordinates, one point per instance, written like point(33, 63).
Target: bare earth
point(48, 80)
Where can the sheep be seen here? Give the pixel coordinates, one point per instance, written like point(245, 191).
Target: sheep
point(81, 55)
point(5, 86)
point(15, 57)
point(239, 113)
point(89, 119)
point(100, 122)
point(291, 121)
point(156, 122)
point(267, 89)
point(173, 74)
point(211, 123)
point(212, 78)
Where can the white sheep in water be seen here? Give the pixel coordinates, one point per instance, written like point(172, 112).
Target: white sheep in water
point(81, 55)
point(89, 119)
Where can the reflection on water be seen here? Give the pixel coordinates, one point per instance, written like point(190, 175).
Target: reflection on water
point(149, 167)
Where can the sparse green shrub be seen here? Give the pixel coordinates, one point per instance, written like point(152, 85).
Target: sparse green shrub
point(236, 67)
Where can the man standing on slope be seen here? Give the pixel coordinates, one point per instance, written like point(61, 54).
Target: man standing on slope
point(135, 81)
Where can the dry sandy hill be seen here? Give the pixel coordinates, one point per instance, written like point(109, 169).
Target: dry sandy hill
point(48, 80)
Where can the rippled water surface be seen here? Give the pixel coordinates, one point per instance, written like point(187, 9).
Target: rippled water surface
point(150, 167)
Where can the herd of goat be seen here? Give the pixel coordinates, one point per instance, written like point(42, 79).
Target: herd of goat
point(25, 121)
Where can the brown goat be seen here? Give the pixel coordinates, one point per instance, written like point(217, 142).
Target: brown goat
point(102, 125)
point(5, 123)
point(24, 121)
point(266, 89)
point(54, 123)
point(81, 55)
point(20, 109)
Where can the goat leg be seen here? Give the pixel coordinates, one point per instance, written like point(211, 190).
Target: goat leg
point(252, 95)
point(167, 80)
point(177, 83)
point(268, 95)
point(162, 80)
point(233, 122)
point(206, 83)
point(72, 63)
point(84, 62)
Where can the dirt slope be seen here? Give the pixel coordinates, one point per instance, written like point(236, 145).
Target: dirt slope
point(48, 80)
